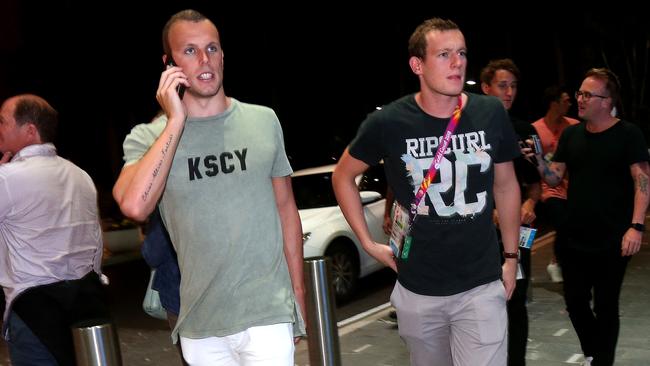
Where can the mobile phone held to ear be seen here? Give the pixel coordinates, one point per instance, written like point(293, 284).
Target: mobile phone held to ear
point(180, 89)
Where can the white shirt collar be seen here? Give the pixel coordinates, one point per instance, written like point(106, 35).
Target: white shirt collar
point(46, 149)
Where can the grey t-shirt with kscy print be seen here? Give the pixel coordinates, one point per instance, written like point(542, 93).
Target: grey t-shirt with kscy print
point(219, 208)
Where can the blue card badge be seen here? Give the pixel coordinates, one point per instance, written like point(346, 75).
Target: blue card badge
point(526, 236)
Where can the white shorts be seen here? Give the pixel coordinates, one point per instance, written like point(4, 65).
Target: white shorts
point(255, 346)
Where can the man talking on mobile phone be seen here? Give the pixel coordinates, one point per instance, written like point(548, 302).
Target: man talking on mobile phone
point(218, 171)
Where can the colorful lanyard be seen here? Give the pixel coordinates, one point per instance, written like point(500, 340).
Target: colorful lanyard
point(435, 164)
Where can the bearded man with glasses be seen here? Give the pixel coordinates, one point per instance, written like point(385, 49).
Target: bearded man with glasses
point(607, 160)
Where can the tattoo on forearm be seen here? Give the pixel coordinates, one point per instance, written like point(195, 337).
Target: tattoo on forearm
point(642, 183)
point(156, 170)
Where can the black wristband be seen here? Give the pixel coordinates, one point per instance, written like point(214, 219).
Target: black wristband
point(638, 227)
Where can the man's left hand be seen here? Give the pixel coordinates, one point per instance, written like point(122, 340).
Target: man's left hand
point(387, 225)
point(631, 242)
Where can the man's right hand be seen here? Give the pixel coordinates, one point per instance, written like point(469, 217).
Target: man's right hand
point(168, 97)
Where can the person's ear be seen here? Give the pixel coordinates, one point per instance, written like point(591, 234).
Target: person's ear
point(32, 132)
point(416, 65)
point(485, 88)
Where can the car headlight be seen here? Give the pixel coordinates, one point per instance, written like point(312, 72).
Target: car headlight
point(305, 237)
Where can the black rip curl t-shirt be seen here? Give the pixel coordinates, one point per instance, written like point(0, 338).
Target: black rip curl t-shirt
point(454, 246)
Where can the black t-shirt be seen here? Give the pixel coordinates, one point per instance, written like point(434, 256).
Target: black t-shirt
point(601, 189)
point(454, 247)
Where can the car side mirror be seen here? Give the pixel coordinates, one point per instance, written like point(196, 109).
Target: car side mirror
point(369, 196)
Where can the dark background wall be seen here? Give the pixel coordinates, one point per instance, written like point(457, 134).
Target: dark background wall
point(322, 69)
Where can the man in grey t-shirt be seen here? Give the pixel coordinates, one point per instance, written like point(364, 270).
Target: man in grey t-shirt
point(221, 177)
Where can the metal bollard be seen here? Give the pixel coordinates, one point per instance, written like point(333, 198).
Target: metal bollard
point(96, 345)
point(322, 332)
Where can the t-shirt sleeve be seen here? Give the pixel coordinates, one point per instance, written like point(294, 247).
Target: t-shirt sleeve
point(281, 165)
point(140, 139)
point(367, 144)
point(637, 150)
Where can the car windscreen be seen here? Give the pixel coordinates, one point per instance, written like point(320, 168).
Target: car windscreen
point(313, 191)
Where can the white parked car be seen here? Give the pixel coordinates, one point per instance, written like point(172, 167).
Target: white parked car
point(327, 233)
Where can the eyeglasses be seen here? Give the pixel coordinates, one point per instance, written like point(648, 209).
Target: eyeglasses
point(587, 95)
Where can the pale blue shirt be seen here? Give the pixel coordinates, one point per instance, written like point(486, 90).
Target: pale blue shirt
point(49, 222)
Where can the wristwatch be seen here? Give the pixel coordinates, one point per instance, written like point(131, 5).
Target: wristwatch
point(638, 227)
point(511, 255)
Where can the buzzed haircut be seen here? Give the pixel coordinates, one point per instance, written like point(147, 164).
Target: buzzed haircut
point(189, 15)
point(418, 40)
